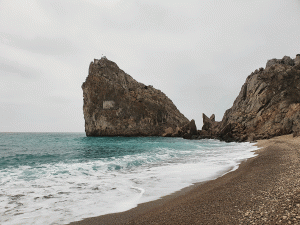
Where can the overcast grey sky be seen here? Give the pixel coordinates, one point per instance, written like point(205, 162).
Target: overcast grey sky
point(198, 53)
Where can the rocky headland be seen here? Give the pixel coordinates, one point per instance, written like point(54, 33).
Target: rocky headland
point(268, 105)
point(117, 105)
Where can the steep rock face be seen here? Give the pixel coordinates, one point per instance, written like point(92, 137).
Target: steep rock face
point(117, 105)
point(268, 104)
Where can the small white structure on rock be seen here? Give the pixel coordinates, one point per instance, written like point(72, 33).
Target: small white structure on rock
point(108, 104)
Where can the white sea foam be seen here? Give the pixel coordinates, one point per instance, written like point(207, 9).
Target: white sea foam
point(64, 192)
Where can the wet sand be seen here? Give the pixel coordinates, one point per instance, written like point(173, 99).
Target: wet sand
point(263, 190)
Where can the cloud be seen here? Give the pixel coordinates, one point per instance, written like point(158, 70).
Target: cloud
point(40, 45)
point(14, 68)
point(198, 52)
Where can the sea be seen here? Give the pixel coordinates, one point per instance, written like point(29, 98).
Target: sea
point(58, 178)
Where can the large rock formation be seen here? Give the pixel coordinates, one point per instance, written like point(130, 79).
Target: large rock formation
point(268, 105)
point(117, 105)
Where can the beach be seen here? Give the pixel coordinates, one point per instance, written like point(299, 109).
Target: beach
point(263, 190)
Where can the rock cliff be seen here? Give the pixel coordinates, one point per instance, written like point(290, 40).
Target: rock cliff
point(268, 105)
point(117, 105)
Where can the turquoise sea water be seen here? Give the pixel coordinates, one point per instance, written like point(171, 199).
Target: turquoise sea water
point(57, 178)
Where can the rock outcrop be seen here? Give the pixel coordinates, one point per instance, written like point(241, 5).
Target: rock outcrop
point(268, 105)
point(117, 105)
point(188, 131)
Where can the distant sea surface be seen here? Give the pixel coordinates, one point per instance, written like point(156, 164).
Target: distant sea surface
point(57, 178)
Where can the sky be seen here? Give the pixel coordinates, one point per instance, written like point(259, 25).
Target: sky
point(199, 53)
